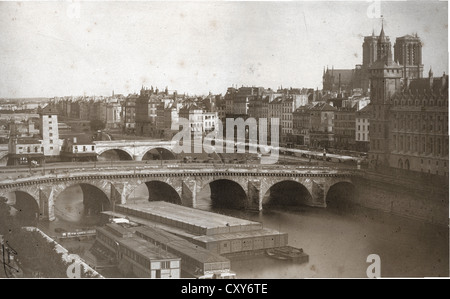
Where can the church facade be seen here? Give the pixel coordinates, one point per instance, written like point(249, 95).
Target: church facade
point(407, 53)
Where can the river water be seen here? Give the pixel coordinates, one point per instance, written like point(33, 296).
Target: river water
point(337, 242)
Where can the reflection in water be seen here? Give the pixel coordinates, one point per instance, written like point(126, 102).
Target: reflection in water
point(69, 205)
point(70, 209)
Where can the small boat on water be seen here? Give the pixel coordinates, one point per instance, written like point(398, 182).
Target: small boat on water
point(288, 253)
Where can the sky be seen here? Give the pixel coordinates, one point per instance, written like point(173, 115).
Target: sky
point(63, 48)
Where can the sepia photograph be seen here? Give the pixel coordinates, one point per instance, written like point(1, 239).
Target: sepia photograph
point(251, 140)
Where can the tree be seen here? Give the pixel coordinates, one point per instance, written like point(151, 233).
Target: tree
point(97, 124)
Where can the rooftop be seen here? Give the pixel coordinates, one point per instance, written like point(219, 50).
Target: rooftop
point(192, 218)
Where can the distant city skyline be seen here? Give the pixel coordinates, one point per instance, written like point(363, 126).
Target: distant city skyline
point(71, 48)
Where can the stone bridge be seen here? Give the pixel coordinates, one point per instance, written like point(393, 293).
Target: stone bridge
point(132, 149)
point(114, 185)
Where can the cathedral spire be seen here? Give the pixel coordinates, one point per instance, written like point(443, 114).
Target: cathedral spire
point(382, 35)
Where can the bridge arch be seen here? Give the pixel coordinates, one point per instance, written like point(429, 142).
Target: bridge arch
point(25, 206)
point(158, 153)
point(222, 192)
point(341, 195)
point(67, 203)
point(287, 192)
point(154, 190)
point(116, 153)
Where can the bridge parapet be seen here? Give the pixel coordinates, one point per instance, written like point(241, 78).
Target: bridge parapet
point(112, 173)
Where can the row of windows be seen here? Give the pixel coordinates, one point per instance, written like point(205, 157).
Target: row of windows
point(424, 102)
point(363, 128)
point(380, 71)
point(437, 162)
point(106, 239)
point(363, 135)
point(430, 145)
point(424, 125)
point(29, 149)
point(136, 257)
point(344, 125)
point(344, 117)
point(376, 144)
point(85, 148)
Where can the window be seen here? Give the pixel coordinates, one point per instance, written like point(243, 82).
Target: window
point(165, 265)
point(50, 134)
point(51, 140)
point(51, 148)
point(431, 145)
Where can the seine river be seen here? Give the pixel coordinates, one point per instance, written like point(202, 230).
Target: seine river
point(338, 243)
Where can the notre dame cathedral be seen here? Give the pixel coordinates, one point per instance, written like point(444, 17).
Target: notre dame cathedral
point(407, 53)
point(409, 113)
